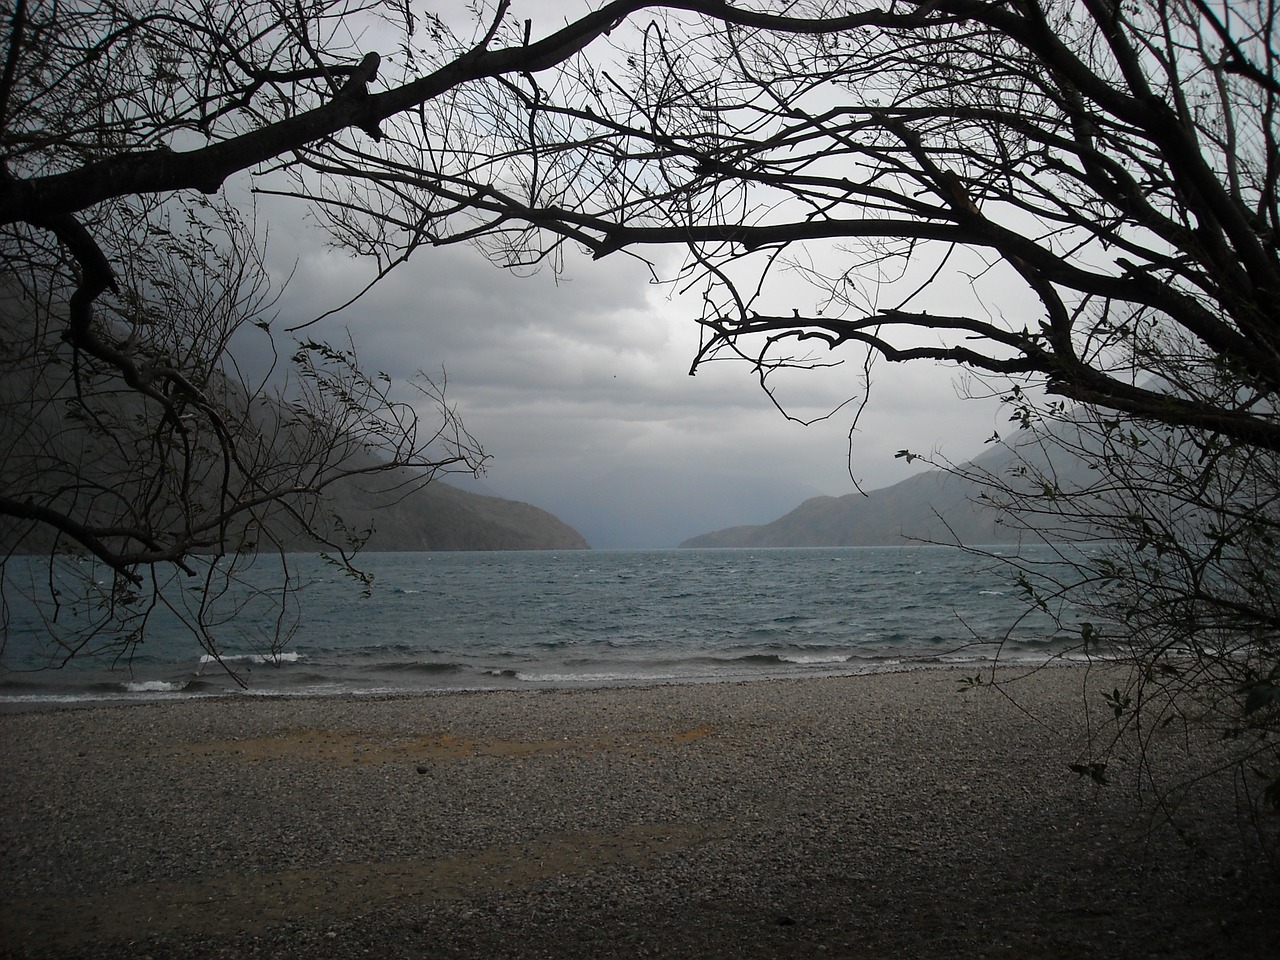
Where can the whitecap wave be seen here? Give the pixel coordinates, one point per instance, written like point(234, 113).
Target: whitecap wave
point(154, 686)
point(272, 658)
point(594, 678)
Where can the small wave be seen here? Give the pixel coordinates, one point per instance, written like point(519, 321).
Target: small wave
point(272, 658)
point(154, 686)
point(555, 644)
point(761, 658)
point(814, 658)
point(421, 666)
point(633, 642)
point(778, 659)
point(595, 678)
point(382, 650)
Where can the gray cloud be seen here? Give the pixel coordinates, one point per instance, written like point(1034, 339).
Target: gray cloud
point(575, 386)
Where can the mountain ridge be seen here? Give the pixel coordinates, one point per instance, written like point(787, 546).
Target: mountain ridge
point(935, 506)
point(440, 517)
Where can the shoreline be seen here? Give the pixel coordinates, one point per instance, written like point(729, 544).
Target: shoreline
point(885, 814)
point(985, 668)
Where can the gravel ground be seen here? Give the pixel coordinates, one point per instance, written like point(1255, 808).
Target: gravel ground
point(897, 815)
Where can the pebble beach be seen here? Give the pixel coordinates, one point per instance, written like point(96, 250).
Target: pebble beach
point(891, 815)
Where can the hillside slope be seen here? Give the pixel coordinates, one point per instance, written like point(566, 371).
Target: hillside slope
point(935, 506)
point(441, 517)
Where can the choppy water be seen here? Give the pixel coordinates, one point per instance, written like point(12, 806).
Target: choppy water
point(455, 621)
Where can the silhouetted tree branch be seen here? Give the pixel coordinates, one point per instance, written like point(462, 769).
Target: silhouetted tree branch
point(1081, 197)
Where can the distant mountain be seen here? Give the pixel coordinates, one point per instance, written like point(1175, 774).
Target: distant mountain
point(434, 517)
point(935, 506)
point(442, 517)
point(55, 451)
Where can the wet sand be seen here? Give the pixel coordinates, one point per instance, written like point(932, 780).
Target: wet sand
point(895, 815)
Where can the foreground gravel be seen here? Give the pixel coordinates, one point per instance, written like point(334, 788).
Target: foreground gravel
point(891, 815)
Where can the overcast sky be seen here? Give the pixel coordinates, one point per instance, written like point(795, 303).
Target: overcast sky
point(579, 391)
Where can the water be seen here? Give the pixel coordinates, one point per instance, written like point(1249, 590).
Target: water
point(479, 621)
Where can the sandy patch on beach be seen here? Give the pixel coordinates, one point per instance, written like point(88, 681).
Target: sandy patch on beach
point(252, 905)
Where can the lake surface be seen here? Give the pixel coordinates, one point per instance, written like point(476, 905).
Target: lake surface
point(479, 621)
